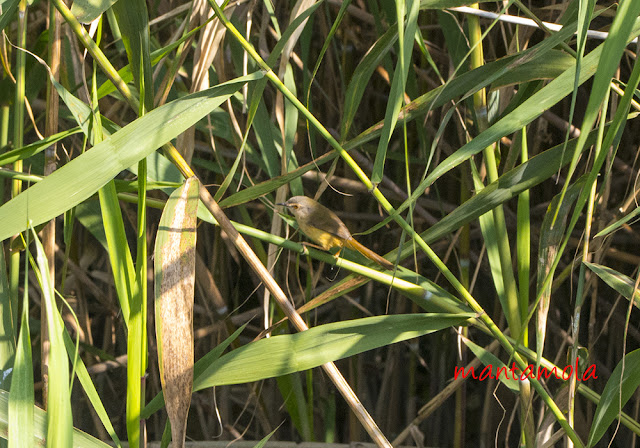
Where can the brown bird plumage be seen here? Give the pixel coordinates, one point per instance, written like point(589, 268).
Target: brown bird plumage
point(327, 230)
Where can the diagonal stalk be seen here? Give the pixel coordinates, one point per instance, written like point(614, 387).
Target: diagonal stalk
point(330, 368)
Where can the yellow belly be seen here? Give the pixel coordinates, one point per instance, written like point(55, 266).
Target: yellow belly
point(322, 238)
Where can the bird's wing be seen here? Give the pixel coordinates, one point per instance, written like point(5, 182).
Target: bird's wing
point(333, 226)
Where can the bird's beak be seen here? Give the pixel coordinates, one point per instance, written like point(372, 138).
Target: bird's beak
point(283, 204)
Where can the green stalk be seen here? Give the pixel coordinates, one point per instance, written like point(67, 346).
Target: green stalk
point(480, 105)
point(96, 53)
point(523, 244)
point(18, 141)
point(580, 293)
point(20, 176)
point(137, 341)
point(137, 338)
point(464, 246)
point(514, 311)
point(49, 230)
point(5, 113)
point(9, 312)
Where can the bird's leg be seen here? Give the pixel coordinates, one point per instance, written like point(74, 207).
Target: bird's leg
point(335, 256)
point(338, 254)
point(315, 246)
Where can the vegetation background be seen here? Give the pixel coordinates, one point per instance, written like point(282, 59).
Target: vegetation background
point(493, 161)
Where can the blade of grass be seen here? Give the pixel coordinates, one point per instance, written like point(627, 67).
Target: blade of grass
point(490, 237)
point(624, 285)
point(133, 21)
point(406, 35)
point(90, 389)
point(580, 292)
point(9, 9)
point(619, 223)
point(119, 253)
point(39, 435)
point(550, 238)
point(624, 381)
point(60, 420)
point(290, 387)
point(621, 32)
point(279, 355)
point(21, 398)
point(84, 175)
point(7, 325)
point(18, 139)
point(35, 148)
point(492, 362)
point(362, 75)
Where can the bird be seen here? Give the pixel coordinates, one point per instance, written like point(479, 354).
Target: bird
point(327, 230)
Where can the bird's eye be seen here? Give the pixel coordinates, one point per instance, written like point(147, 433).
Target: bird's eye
point(295, 206)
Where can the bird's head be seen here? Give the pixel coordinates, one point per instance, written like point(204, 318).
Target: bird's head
point(300, 206)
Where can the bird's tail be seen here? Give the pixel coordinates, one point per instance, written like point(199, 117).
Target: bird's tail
point(371, 255)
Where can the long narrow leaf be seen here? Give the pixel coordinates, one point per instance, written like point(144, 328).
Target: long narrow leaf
point(84, 175)
point(361, 75)
point(80, 439)
point(621, 32)
point(624, 381)
point(279, 355)
point(406, 33)
point(90, 389)
point(620, 282)
point(119, 253)
point(60, 420)
point(21, 398)
point(7, 325)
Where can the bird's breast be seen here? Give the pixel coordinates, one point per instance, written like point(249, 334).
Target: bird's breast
point(323, 238)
